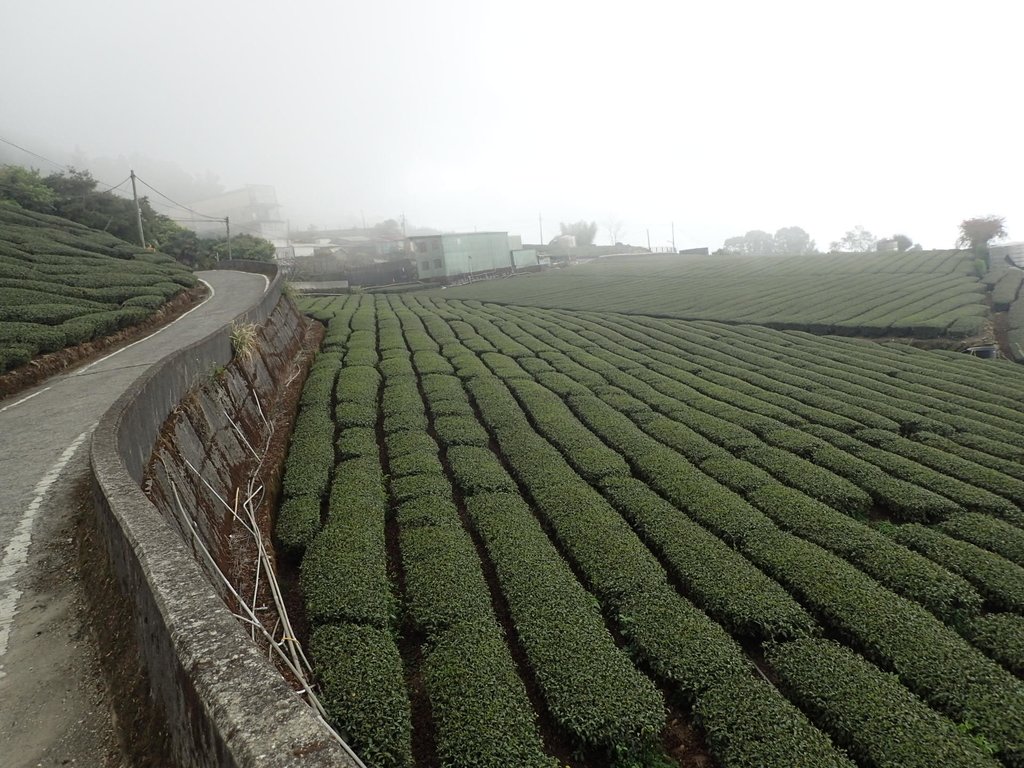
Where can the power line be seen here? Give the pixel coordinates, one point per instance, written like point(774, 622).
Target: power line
point(54, 163)
point(115, 187)
point(34, 154)
point(179, 205)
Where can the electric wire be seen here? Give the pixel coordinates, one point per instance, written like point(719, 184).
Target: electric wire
point(52, 162)
point(175, 202)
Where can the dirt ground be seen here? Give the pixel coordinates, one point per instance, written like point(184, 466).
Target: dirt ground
point(79, 726)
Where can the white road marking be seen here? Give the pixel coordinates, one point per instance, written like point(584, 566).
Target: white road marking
point(16, 553)
point(24, 399)
point(267, 281)
point(80, 371)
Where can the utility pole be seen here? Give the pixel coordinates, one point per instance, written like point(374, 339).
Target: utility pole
point(138, 212)
point(540, 221)
point(227, 223)
point(648, 239)
point(673, 237)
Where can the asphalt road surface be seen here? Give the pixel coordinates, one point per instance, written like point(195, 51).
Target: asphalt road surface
point(53, 709)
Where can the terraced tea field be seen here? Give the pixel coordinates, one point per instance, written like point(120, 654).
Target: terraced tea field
point(534, 537)
point(923, 294)
point(62, 284)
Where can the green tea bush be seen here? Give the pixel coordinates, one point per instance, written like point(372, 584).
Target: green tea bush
point(1001, 636)
point(867, 711)
point(1000, 581)
point(716, 577)
point(363, 690)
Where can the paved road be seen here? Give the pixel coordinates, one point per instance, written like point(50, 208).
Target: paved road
point(52, 711)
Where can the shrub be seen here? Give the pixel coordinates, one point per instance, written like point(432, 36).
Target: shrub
point(363, 690)
point(298, 522)
point(444, 584)
point(482, 716)
point(999, 580)
point(310, 455)
point(868, 711)
point(715, 576)
point(478, 470)
point(589, 685)
point(946, 595)
point(988, 533)
point(1001, 636)
point(343, 575)
point(460, 430)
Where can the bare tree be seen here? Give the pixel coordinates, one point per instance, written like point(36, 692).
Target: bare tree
point(614, 227)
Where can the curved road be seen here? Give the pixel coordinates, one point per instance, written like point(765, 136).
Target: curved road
point(52, 707)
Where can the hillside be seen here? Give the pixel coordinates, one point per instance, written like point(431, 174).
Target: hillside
point(62, 284)
point(924, 294)
point(532, 534)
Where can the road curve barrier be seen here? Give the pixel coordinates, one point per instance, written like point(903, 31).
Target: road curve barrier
point(222, 702)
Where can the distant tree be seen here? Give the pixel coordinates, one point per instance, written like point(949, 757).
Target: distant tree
point(856, 240)
point(756, 242)
point(244, 246)
point(903, 243)
point(388, 228)
point(583, 232)
point(793, 241)
point(26, 187)
point(977, 233)
point(187, 247)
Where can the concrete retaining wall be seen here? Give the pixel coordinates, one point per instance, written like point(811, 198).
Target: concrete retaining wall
point(223, 703)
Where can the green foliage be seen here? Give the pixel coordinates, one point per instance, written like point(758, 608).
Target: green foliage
point(243, 246)
point(481, 713)
point(363, 690)
point(298, 522)
point(62, 284)
point(444, 582)
point(868, 711)
point(946, 595)
point(26, 188)
point(976, 233)
point(1000, 581)
point(343, 577)
point(310, 455)
point(826, 293)
point(1005, 291)
point(713, 574)
point(478, 470)
point(460, 430)
point(589, 685)
point(1001, 636)
point(994, 535)
point(662, 462)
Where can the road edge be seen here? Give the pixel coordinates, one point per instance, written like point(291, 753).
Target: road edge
point(222, 703)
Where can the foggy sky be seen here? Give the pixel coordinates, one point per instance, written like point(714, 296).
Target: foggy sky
point(902, 116)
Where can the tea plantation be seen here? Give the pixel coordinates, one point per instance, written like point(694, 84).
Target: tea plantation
point(530, 535)
point(923, 294)
point(62, 284)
